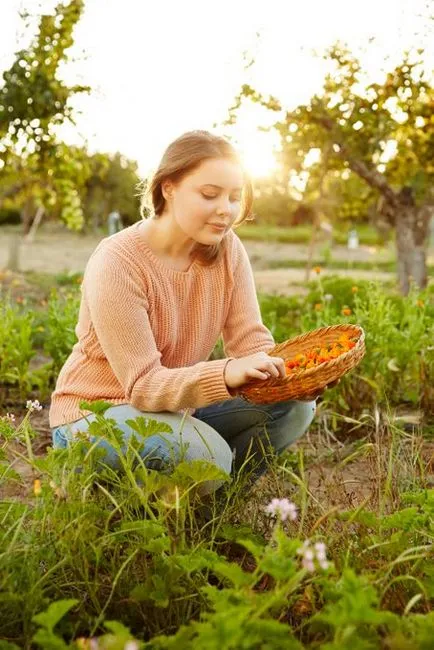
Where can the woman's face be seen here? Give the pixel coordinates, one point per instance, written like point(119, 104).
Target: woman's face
point(206, 202)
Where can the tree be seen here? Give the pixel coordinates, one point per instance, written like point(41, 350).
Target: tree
point(34, 102)
point(111, 185)
point(382, 134)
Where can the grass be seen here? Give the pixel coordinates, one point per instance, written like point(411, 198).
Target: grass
point(302, 234)
point(91, 556)
point(83, 549)
point(356, 265)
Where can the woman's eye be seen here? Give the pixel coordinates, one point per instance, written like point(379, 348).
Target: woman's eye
point(209, 196)
point(236, 199)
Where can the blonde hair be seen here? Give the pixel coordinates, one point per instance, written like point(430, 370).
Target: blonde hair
point(183, 156)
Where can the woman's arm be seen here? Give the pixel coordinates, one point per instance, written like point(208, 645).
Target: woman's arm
point(119, 315)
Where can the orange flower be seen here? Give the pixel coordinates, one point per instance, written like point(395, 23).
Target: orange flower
point(37, 487)
point(317, 269)
point(19, 300)
point(316, 356)
point(346, 311)
point(420, 303)
point(354, 289)
point(318, 306)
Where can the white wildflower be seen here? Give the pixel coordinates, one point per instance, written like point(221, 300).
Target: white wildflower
point(282, 508)
point(312, 554)
point(33, 406)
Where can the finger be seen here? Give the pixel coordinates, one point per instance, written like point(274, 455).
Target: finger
point(254, 373)
point(280, 365)
point(271, 368)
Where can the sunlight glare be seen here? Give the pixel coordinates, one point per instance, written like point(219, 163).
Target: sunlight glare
point(258, 154)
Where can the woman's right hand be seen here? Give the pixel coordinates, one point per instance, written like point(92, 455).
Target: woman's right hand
point(255, 366)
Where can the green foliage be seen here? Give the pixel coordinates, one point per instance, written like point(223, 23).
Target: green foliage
point(398, 367)
point(362, 150)
point(261, 231)
point(34, 102)
point(60, 324)
point(128, 557)
point(95, 540)
point(399, 363)
point(16, 347)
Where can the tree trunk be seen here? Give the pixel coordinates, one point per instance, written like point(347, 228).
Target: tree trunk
point(30, 237)
point(411, 238)
point(27, 215)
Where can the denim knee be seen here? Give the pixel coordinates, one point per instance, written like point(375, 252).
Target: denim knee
point(304, 411)
point(224, 456)
point(292, 421)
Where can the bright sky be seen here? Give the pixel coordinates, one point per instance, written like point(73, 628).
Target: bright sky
point(162, 67)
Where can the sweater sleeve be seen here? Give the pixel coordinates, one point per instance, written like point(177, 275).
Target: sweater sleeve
point(244, 332)
point(118, 309)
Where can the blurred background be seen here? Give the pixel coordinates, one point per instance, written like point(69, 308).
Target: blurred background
point(330, 105)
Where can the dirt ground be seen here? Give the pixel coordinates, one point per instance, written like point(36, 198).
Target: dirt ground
point(337, 475)
point(57, 250)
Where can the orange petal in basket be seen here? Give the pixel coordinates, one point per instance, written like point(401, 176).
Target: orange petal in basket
point(312, 361)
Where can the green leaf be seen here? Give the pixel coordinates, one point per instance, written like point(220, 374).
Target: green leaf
point(54, 613)
point(145, 528)
point(47, 640)
point(99, 407)
point(279, 567)
point(146, 427)
point(119, 629)
point(198, 471)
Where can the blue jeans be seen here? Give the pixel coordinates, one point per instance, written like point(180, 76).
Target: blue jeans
point(226, 433)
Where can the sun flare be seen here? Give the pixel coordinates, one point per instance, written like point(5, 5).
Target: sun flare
point(258, 156)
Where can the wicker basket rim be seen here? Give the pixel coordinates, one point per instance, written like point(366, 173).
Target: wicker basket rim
point(329, 364)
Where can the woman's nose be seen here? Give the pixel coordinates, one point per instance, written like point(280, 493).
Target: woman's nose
point(224, 207)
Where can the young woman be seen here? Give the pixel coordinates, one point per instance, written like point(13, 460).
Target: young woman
point(155, 299)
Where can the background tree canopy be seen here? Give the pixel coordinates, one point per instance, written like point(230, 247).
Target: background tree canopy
point(38, 171)
point(361, 148)
point(357, 151)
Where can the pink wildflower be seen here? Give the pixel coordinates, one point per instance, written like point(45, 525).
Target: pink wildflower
point(282, 508)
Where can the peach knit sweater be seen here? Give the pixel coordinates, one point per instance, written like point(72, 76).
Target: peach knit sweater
point(145, 330)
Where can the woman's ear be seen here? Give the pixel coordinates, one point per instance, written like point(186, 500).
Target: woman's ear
point(167, 189)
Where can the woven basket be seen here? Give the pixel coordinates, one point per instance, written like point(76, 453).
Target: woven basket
point(306, 384)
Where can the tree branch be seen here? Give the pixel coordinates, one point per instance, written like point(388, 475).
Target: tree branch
point(370, 175)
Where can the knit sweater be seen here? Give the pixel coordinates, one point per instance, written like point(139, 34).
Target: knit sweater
point(145, 330)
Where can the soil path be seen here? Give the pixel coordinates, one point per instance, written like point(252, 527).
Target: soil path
point(57, 251)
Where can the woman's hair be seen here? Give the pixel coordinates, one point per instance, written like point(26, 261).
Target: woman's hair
point(183, 156)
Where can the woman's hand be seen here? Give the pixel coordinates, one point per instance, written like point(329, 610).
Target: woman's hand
point(255, 366)
point(260, 366)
